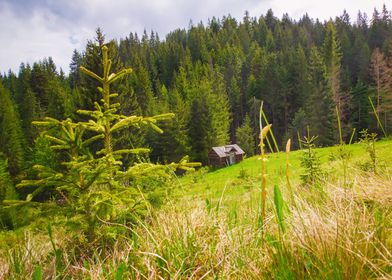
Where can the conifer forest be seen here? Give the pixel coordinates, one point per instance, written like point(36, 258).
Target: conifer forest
point(104, 171)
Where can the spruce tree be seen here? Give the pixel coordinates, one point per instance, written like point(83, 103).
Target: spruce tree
point(380, 73)
point(200, 128)
point(245, 137)
point(94, 186)
point(320, 105)
point(7, 189)
point(360, 107)
point(11, 135)
point(332, 58)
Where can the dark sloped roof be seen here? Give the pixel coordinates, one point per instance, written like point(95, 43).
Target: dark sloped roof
point(223, 151)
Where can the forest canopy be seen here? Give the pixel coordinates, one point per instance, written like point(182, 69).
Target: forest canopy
point(212, 77)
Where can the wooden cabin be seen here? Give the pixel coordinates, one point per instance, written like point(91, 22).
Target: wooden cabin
point(225, 155)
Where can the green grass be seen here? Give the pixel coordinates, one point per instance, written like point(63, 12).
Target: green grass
point(211, 185)
point(210, 228)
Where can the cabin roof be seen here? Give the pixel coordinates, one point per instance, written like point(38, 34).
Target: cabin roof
point(224, 151)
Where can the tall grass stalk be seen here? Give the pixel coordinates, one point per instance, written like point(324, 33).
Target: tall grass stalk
point(352, 136)
point(344, 154)
point(299, 140)
point(279, 205)
point(339, 125)
point(263, 135)
point(271, 132)
point(269, 145)
point(377, 117)
point(288, 146)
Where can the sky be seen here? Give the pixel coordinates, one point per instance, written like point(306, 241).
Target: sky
point(31, 30)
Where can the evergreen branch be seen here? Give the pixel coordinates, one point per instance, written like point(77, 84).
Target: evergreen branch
point(142, 169)
point(47, 122)
point(155, 127)
point(91, 74)
point(61, 147)
point(15, 202)
point(92, 139)
point(108, 67)
point(93, 126)
point(132, 151)
point(105, 62)
point(97, 106)
point(110, 111)
point(68, 132)
point(163, 117)
point(114, 77)
point(125, 123)
point(56, 140)
point(184, 164)
point(29, 183)
point(94, 114)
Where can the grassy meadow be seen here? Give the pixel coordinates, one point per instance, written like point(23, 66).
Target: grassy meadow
point(210, 227)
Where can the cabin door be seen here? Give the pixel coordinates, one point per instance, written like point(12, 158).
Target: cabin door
point(232, 158)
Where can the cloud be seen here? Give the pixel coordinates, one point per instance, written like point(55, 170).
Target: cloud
point(32, 30)
point(29, 36)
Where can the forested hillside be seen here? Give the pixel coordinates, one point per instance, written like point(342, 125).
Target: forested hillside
point(213, 77)
point(97, 167)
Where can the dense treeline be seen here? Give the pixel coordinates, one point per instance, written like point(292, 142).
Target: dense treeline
point(213, 78)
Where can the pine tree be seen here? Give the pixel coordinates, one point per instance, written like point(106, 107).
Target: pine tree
point(27, 103)
point(74, 72)
point(380, 76)
point(11, 135)
point(200, 128)
point(360, 107)
point(332, 58)
point(245, 137)
point(320, 105)
point(7, 189)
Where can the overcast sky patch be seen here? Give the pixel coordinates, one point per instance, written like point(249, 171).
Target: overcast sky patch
point(33, 30)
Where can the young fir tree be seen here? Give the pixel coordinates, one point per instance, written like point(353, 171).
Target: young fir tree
point(94, 187)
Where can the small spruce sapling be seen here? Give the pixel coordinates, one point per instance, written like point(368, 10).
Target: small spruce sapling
point(310, 161)
point(369, 141)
